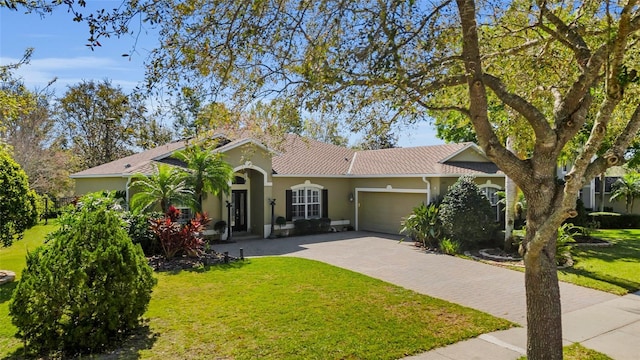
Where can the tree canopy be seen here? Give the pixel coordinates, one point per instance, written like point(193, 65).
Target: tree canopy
point(207, 172)
point(101, 123)
point(556, 75)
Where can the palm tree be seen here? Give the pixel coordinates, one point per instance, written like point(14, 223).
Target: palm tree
point(168, 186)
point(627, 187)
point(209, 172)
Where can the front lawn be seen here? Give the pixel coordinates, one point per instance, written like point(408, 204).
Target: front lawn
point(280, 308)
point(579, 352)
point(13, 258)
point(615, 269)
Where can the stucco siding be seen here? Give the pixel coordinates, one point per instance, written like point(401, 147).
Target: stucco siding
point(89, 185)
point(212, 205)
point(249, 155)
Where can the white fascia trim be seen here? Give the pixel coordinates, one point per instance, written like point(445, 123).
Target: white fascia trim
point(99, 176)
point(256, 168)
point(468, 146)
point(384, 176)
point(388, 189)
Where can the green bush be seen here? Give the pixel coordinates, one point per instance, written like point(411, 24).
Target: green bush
point(139, 231)
point(449, 247)
point(302, 226)
point(314, 226)
point(608, 220)
point(325, 225)
point(423, 225)
point(466, 214)
point(582, 219)
point(17, 201)
point(85, 288)
point(563, 244)
point(177, 238)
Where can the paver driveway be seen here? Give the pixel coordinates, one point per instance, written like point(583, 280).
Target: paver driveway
point(494, 290)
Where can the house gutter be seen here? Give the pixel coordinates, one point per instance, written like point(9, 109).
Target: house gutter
point(127, 191)
point(424, 179)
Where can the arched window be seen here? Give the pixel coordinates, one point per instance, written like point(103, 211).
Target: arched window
point(491, 194)
point(306, 201)
point(490, 191)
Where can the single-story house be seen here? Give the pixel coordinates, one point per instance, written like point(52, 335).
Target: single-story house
point(364, 189)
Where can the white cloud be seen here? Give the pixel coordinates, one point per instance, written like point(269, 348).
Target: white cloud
point(68, 71)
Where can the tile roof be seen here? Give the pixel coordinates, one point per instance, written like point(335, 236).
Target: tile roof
point(303, 156)
point(403, 161)
point(307, 157)
point(140, 162)
point(310, 157)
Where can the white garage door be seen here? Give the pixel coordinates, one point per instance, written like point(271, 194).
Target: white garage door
point(383, 212)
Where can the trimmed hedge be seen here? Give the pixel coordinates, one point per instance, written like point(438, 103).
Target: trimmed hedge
point(615, 221)
point(311, 226)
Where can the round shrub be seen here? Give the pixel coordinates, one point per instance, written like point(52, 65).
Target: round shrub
point(466, 215)
point(85, 288)
point(17, 211)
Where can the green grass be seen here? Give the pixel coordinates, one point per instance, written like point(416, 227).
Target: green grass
point(579, 352)
point(13, 258)
point(614, 269)
point(279, 308)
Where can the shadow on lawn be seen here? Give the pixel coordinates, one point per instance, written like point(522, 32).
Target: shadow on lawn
point(6, 290)
point(625, 250)
point(141, 339)
point(630, 286)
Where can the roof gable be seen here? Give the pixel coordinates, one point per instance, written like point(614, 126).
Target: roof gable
point(470, 152)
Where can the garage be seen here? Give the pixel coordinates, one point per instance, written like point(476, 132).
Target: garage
point(383, 211)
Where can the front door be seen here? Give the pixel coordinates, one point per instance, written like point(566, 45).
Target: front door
point(239, 198)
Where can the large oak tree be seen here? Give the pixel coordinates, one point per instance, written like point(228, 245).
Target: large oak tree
point(562, 70)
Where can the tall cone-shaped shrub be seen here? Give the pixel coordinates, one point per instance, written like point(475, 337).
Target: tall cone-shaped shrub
point(466, 214)
point(85, 288)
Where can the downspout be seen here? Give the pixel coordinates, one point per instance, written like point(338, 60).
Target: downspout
point(127, 192)
point(424, 179)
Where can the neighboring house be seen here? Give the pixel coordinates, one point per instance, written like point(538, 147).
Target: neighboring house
point(591, 194)
point(365, 189)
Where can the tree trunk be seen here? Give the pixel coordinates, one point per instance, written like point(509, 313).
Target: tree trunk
point(510, 200)
point(544, 315)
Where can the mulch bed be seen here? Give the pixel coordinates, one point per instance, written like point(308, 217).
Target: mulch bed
point(582, 240)
point(160, 263)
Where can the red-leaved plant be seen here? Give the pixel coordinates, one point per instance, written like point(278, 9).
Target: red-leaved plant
point(176, 238)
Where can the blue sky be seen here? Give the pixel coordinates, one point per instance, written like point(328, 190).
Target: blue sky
point(60, 52)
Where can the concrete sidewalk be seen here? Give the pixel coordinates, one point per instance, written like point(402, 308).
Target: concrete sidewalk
point(597, 320)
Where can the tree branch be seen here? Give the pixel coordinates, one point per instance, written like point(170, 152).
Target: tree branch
point(478, 109)
point(566, 35)
point(534, 116)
